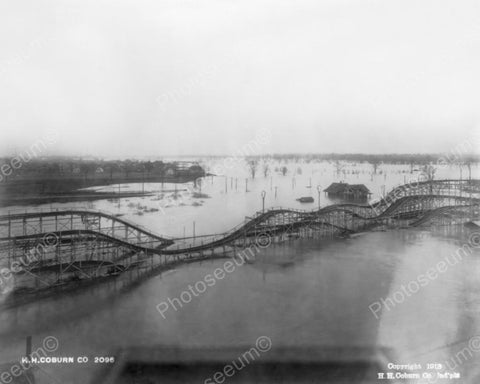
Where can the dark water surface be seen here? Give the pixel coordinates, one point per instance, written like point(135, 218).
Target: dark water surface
point(305, 292)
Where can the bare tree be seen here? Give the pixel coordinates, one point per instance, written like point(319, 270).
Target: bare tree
point(149, 167)
point(460, 165)
point(412, 166)
point(468, 161)
point(252, 166)
point(338, 166)
point(86, 168)
point(265, 168)
point(428, 171)
point(375, 163)
point(113, 167)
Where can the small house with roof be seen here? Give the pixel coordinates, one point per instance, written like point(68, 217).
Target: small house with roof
point(345, 190)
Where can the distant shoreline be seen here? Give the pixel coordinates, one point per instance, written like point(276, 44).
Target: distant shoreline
point(67, 198)
point(63, 190)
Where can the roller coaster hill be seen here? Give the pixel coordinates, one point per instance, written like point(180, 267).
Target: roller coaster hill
point(42, 250)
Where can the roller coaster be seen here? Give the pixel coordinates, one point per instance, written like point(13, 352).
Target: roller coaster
point(47, 249)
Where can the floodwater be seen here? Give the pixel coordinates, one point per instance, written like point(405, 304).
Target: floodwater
point(304, 292)
point(233, 196)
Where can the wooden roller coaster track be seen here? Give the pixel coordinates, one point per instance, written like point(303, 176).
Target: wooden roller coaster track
point(44, 249)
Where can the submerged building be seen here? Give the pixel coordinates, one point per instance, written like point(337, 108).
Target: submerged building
point(345, 190)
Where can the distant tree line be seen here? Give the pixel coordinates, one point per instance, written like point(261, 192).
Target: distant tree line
point(64, 167)
point(394, 158)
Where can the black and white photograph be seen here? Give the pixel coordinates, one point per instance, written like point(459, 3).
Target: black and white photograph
point(239, 192)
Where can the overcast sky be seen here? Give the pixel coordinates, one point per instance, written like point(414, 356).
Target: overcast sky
point(162, 77)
